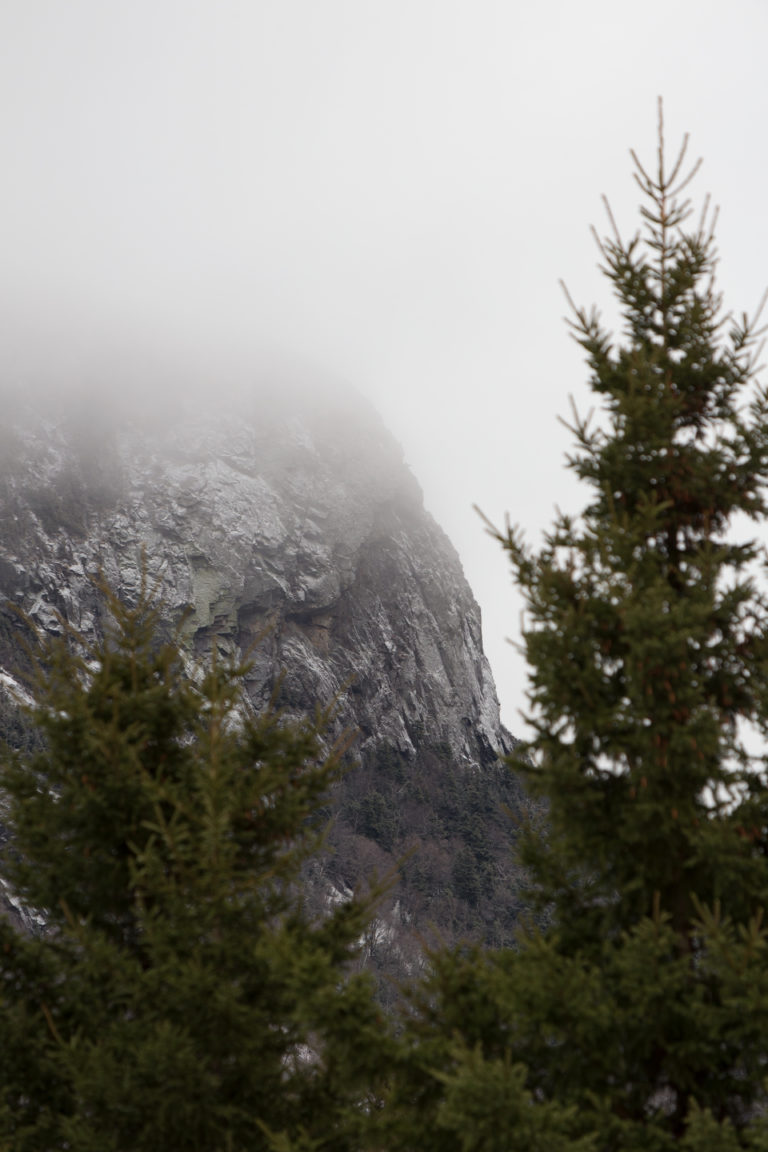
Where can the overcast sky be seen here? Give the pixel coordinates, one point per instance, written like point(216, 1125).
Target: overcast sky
point(387, 189)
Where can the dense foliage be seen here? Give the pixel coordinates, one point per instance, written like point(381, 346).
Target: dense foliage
point(638, 1019)
point(181, 998)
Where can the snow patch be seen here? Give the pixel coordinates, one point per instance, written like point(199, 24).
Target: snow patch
point(18, 694)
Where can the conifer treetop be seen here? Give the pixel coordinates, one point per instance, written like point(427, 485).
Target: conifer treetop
point(646, 630)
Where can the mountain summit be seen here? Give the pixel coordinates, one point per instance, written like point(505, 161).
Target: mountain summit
point(288, 530)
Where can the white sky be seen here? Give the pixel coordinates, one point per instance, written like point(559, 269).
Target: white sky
point(389, 189)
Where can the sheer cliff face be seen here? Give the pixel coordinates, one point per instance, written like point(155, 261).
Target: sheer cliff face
point(292, 531)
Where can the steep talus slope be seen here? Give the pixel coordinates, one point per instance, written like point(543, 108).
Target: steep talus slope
point(293, 531)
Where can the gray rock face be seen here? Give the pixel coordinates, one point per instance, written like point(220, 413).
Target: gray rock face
point(294, 532)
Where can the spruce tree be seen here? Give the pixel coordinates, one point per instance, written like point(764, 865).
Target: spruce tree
point(181, 996)
point(634, 1014)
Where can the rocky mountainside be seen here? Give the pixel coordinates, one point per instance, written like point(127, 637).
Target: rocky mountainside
point(290, 530)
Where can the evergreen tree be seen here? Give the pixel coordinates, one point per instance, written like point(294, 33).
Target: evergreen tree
point(637, 1017)
point(181, 997)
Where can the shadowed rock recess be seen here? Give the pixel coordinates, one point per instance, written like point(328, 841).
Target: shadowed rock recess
point(292, 530)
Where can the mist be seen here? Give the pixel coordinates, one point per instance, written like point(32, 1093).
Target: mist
point(350, 195)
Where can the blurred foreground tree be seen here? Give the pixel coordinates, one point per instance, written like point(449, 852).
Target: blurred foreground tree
point(639, 1018)
point(181, 997)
